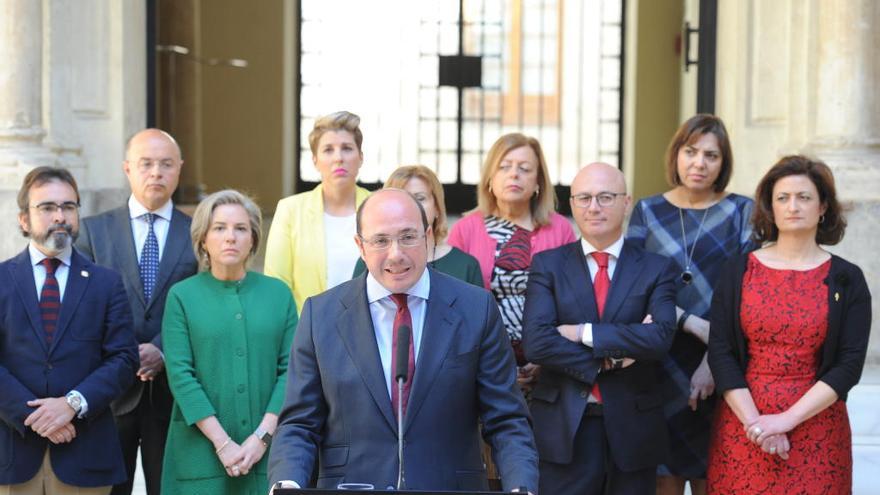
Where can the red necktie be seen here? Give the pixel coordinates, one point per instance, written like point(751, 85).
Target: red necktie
point(50, 298)
point(402, 317)
point(601, 284)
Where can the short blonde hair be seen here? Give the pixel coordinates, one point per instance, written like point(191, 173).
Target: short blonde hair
point(542, 205)
point(204, 213)
point(404, 174)
point(337, 121)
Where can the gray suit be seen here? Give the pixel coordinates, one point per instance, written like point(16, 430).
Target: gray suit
point(338, 414)
point(142, 413)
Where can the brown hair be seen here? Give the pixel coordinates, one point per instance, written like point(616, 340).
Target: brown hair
point(542, 204)
point(403, 174)
point(689, 132)
point(201, 222)
point(39, 176)
point(36, 178)
point(337, 121)
point(832, 225)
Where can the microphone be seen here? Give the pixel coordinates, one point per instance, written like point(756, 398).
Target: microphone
point(402, 371)
point(401, 375)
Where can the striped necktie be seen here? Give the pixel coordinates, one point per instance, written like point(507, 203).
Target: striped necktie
point(149, 266)
point(50, 299)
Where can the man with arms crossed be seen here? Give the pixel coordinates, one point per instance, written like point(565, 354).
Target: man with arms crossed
point(599, 316)
point(340, 408)
point(148, 242)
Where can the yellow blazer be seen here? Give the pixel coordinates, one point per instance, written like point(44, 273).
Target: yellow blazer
point(295, 251)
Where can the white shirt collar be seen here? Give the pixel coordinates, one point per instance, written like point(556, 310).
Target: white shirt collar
point(376, 291)
point(614, 249)
point(137, 210)
point(38, 256)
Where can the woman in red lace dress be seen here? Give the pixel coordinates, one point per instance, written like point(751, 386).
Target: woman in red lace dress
point(790, 325)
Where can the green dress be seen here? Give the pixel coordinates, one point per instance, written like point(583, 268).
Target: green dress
point(455, 263)
point(226, 348)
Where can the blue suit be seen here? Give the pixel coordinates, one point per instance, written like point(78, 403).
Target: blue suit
point(93, 351)
point(560, 291)
point(337, 410)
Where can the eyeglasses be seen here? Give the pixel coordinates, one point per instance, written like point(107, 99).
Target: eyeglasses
point(383, 242)
point(605, 199)
point(67, 208)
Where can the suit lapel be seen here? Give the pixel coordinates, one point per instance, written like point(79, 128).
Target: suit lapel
point(625, 275)
point(126, 251)
point(360, 342)
point(438, 332)
point(578, 276)
point(23, 274)
point(176, 242)
point(77, 280)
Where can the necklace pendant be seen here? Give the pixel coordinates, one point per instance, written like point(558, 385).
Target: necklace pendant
point(687, 277)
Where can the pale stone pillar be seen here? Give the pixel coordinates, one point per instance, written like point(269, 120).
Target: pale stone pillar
point(21, 133)
point(846, 132)
point(847, 103)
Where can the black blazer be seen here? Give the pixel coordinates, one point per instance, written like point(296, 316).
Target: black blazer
point(846, 344)
point(107, 240)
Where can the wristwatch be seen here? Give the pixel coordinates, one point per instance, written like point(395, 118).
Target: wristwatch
point(74, 401)
point(616, 363)
point(264, 436)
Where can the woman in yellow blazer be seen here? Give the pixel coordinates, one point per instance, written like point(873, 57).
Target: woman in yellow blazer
point(311, 242)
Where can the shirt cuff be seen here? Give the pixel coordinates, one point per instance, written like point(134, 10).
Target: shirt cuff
point(587, 334)
point(84, 404)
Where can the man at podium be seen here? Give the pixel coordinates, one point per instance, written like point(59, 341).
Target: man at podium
point(342, 401)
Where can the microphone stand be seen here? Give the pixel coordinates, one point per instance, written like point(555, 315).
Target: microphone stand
point(401, 376)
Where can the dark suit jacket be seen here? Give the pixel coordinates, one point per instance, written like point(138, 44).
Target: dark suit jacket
point(107, 240)
point(338, 412)
point(846, 343)
point(94, 352)
point(560, 292)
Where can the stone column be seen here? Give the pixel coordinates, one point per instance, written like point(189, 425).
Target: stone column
point(21, 132)
point(846, 132)
point(21, 41)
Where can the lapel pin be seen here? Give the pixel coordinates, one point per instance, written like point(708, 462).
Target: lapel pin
point(84, 273)
point(837, 296)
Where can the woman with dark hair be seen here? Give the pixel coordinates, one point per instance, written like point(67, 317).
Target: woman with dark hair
point(698, 225)
point(790, 326)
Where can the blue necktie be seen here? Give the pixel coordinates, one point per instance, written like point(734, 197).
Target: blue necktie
point(149, 266)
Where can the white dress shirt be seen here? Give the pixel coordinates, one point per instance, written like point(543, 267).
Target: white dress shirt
point(140, 227)
point(382, 311)
point(61, 275)
point(614, 251)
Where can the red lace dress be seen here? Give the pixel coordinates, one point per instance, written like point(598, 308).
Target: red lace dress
point(784, 317)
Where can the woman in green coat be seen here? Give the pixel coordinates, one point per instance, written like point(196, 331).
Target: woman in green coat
point(226, 335)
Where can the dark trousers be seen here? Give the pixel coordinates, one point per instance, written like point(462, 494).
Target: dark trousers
point(146, 426)
point(592, 470)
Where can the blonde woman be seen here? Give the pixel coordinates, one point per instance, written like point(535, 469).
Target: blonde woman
point(309, 245)
point(515, 219)
point(423, 184)
point(227, 333)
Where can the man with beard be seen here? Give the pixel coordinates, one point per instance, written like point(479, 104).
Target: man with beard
point(66, 351)
point(147, 241)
